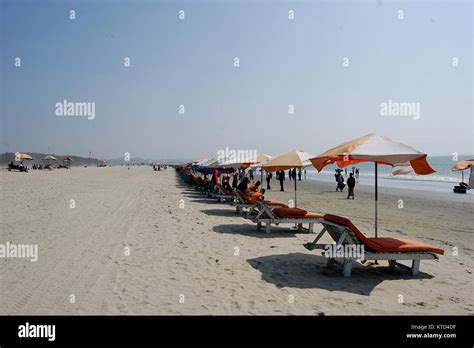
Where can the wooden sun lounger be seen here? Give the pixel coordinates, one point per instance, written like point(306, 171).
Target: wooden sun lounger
point(254, 207)
point(242, 202)
point(280, 215)
point(343, 232)
point(223, 195)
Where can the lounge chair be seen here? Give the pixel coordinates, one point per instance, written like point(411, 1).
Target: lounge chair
point(243, 201)
point(223, 195)
point(344, 233)
point(286, 215)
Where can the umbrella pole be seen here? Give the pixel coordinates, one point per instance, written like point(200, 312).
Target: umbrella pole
point(376, 198)
point(295, 190)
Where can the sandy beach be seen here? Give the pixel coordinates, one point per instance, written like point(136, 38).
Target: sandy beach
point(128, 245)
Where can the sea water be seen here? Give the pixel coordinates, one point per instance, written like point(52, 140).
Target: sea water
point(443, 180)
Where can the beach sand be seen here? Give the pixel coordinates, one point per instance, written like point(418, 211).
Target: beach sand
point(127, 247)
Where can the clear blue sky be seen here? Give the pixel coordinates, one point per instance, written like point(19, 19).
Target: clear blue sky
point(190, 62)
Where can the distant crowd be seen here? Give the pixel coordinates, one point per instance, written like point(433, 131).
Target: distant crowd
point(241, 179)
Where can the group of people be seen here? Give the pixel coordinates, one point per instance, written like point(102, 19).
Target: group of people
point(292, 173)
point(159, 167)
point(351, 181)
point(231, 181)
point(37, 167)
point(21, 167)
point(240, 182)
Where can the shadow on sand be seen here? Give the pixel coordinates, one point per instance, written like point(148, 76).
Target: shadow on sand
point(250, 230)
point(221, 212)
point(204, 200)
point(305, 271)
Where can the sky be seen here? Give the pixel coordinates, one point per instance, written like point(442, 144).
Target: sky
point(401, 51)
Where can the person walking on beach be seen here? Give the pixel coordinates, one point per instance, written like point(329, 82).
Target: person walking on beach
point(299, 174)
point(339, 180)
point(251, 174)
point(293, 174)
point(269, 176)
point(281, 178)
point(305, 174)
point(351, 182)
point(289, 174)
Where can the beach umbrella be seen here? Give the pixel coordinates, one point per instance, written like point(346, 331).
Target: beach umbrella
point(198, 161)
point(66, 160)
point(378, 149)
point(205, 166)
point(461, 166)
point(49, 158)
point(288, 160)
point(261, 159)
point(20, 156)
point(208, 162)
point(245, 162)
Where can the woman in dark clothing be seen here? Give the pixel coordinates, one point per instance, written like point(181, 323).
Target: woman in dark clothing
point(234, 180)
point(269, 176)
point(243, 185)
point(281, 178)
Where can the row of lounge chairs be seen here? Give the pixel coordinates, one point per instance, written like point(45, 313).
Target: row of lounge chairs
point(342, 231)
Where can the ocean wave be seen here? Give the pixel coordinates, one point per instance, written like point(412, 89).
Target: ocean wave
point(389, 176)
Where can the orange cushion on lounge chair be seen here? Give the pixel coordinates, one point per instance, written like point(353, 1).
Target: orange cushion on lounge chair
point(404, 246)
point(296, 213)
point(280, 204)
point(381, 244)
point(312, 215)
point(348, 223)
point(283, 212)
point(246, 197)
point(229, 193)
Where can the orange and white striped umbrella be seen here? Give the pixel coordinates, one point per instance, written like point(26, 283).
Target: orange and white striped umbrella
point(378, 149)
